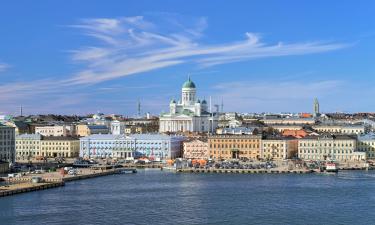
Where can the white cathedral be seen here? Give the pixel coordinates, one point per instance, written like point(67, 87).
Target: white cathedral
point(189, 114)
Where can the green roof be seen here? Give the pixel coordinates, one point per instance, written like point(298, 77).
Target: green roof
point(188, 84)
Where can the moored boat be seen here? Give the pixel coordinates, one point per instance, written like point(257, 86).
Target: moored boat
point(331, 167)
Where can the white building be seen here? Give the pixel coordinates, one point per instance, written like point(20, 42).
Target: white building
point(189, 114)
point(7, 144)
point(153, 146)
point(117, 127)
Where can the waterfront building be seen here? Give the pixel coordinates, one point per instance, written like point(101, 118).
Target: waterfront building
point(366, 143)
point(340, 128)
point(337, 147)
point(278, 148)
point(7, 144)
point(190, 114)
point(158, 146)
point(84, 130)
point(107, 146)
point(153, 146)
point(57, 130)
point(54, 146)
point(28, 146)
point(196, 149)
point(225, 147)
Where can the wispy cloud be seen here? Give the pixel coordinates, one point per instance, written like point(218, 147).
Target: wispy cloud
point(132, 45)
point(3, 67)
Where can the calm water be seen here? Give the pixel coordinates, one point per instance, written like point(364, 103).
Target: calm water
point(155, 197)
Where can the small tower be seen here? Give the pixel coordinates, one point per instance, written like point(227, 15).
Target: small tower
point(139, 108)
point(188, 92)
point(316, 112)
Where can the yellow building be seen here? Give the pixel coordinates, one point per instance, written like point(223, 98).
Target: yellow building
point(59, 147)
point(279, 148)
point(31, 146)
point(27, 146)
point(224, 147)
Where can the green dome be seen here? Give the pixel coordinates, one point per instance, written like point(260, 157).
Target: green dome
point(173, 101)
point(188, 84)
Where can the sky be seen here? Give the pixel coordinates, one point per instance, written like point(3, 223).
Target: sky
point(88, 56)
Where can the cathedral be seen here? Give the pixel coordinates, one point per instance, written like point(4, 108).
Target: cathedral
point(189, 114)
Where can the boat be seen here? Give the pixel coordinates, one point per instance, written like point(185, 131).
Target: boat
point(331, 167)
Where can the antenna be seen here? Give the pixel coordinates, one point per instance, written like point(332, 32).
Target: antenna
point(21, 111)
point(222, 105)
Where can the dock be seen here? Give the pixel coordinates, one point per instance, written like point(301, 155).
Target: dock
point(52, 180)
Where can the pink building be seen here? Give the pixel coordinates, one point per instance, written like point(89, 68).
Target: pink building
point(196, 149)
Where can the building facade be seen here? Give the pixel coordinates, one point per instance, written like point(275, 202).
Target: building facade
point(279, 148)
point(7, 144)
point(366, 143)
point(61, 130)
point(340, 129)
point(341, 148)
point(226, 147)
point(196, 149)
point(51, 147)
point(190, 114)
point(84, 130)
point(107, 146)
point(153, 146)
point(28, 146)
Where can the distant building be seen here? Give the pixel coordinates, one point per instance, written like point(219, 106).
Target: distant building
point(196, 149)
point(224, 147)
point(316, 112)
point(340, 128)
point(281, 127)
point(189, 114)
point(295, 133)
point(341, 148)
point(289, 121)
point(117, 127)
point(7, 144)
point(235, 130)
point(84, 130)
point(58, 130)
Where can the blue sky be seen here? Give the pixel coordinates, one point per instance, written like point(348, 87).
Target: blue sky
point(78, 57)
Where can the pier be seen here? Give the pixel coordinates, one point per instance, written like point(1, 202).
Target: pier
point(24, 184)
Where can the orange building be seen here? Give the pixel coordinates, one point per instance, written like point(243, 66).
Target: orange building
point(224, 147)
point(295, 133)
